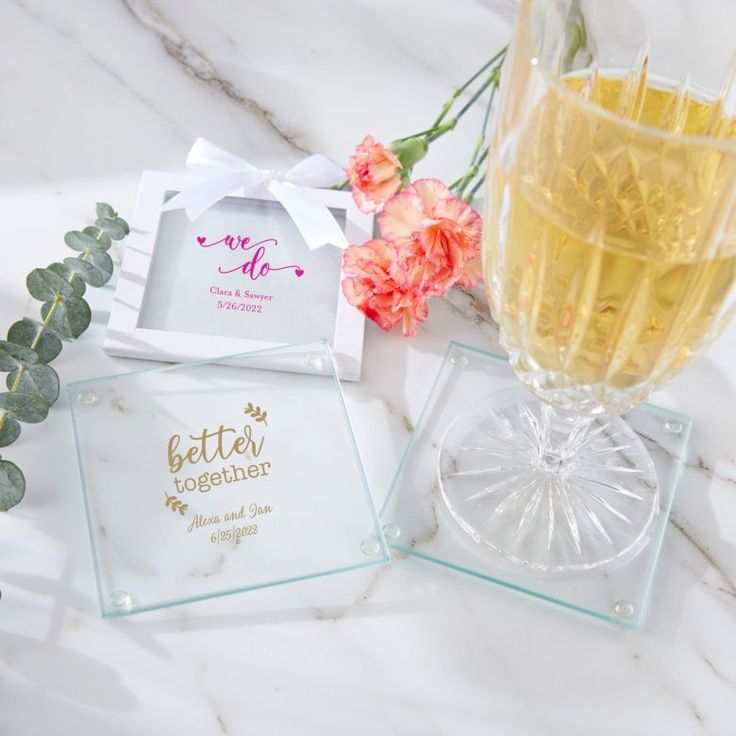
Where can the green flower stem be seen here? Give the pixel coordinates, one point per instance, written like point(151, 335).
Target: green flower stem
point(478, 184)
point(440, 127)
point(469, 176)
point(480, 151)
point(456, 94)
point(438, 130)
point(443, 128)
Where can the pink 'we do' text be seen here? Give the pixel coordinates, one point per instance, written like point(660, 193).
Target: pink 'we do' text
point(255, 266)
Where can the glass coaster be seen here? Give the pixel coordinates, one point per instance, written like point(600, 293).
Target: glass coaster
point(204, 479)
point(418, 522)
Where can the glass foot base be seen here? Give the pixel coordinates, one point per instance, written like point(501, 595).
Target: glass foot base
point(544, 489)
point(504, 537)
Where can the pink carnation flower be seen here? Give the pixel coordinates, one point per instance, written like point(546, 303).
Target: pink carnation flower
point(373, 173)
point(385, 293)
point(427, 221)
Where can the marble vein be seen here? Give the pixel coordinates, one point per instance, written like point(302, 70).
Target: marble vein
point(730, 584)
point(431, 531)
point(700, 464)
point(471, 306)
point(391, 409)
point(196, 64)
point(717, 673)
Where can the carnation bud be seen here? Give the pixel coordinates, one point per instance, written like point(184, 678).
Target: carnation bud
point(410, 151)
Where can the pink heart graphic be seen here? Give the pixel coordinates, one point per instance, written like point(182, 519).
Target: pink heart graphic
point(201, 239)
point(299, 272)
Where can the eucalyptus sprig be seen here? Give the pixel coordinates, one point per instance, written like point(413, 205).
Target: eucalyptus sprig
point(33, 385)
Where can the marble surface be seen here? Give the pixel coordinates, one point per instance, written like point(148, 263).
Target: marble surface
point(96, 91)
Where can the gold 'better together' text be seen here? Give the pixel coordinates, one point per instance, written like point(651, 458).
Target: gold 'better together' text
point(211, 445)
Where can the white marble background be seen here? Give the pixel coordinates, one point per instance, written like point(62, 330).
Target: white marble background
point(93, 91)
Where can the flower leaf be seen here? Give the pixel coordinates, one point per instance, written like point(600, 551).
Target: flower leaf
point(78, 286)
point(71, 318)
point(44, 284)
point(80, 241)
point(102, 261)
point(12, 485)
point(116, 227)
point(37, 379)
point(9, 432)
point(27, 408)
point(103, 209)
point(25, 332)
point(96, 267)
point(13, 356)
point(102, 239)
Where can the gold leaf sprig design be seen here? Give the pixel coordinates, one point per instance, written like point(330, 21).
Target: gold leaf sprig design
point(256, 413)
point(176, 504)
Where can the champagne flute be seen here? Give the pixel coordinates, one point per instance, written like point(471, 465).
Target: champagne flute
point(610, 262)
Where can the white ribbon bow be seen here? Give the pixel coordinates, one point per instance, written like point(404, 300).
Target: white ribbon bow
point(226, 173)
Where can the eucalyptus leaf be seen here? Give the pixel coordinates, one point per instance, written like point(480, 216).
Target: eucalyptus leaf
point(28, 408)
point(78, 286)
point(33, 384)
point(12, 485)
point(103, 209)
point(9, 432)
point(80, 241)
point(101, 260)
point(44, 284)
point(102, 239)
point(71, 317)
point(25, 333)
point(13, 356)
point(87, 270)
point(48, 329)
point(116, 227)
point(37, 379)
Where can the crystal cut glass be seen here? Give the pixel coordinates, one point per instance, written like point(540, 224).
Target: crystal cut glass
point(610, 261)
point(587, 500)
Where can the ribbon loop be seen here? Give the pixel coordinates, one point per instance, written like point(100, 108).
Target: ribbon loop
point(227, 173)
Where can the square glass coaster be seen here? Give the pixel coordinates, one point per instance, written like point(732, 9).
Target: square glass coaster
point(204, 479)
point(417, 521)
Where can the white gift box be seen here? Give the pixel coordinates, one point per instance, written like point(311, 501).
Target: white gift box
point(239, 278)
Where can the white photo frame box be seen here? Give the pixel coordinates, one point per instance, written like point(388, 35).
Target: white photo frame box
point(239, 278)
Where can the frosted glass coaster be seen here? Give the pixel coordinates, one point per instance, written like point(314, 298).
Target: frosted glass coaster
point(418, 522)
point(204, 479)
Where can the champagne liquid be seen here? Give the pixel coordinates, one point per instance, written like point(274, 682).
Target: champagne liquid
point(610, 257)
